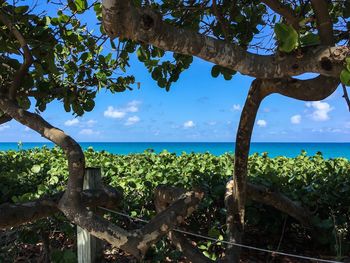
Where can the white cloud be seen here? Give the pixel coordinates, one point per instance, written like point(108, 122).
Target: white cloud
point(347, 125)
point(320, 110)
point(91, 123)
point(132, 120)
point(189, 124)
point(114, 113)
point(88, 132)
point(336, 130)
point(71, 122)
point(236, 107)
point(261, 123)
point(211, 123)
point(133, 106)
point(296, 119)
point(4, 127)
point(119, 113)
point(27, 129)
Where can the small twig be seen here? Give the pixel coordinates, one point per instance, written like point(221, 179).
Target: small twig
point(346, 96)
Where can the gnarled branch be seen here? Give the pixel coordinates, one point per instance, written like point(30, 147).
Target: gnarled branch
point(165, 195)
point(12, 215)
point(121, 19)
point(312, 89)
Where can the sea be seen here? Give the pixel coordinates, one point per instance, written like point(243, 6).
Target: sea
point(328, 150)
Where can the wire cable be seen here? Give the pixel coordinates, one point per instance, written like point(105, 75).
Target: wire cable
point(225, 241)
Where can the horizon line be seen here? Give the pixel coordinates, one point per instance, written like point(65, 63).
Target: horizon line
point(174, 142)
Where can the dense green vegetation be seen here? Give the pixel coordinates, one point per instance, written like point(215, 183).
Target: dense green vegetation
point(322, 185)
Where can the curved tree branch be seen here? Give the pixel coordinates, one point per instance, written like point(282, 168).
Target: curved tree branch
point(12, 215)
point(121, 19)
point(284, 11)
point(236, 189)
point(312, 89)
point(280, 202)
point(27, 56)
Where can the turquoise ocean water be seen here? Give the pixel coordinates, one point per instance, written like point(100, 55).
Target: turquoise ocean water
point(329, 150)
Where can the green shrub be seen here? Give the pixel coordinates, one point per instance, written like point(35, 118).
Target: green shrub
point(322, 185)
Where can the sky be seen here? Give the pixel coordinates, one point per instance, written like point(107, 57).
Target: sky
point(198, 108)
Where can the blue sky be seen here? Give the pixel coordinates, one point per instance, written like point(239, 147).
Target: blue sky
point(197, 108)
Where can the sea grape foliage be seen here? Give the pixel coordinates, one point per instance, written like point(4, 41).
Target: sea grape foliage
point(62, 54)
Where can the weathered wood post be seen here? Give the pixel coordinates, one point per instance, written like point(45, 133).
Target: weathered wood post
point(90, 248)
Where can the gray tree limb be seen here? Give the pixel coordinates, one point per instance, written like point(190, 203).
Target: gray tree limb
point(121, 19)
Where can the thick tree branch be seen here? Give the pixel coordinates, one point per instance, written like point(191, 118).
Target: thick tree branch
point(12, 215)
point(324, 22)
point(123, 20)
point(312, 89)
point(4, 118)
point(235, 196)
point(27, 56)
point(166, 220)
point(279, 201)
point(284, 11)
point(165, 195)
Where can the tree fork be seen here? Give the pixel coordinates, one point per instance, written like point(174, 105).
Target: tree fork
point(12, 215)
point(165, 195)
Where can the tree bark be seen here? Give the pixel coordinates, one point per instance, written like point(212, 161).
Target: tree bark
point(312, 89)
point(12, 215)
point(165, 195)
point(235, 196)
point(122, 19)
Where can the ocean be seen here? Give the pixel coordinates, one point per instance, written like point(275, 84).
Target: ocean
point(329, 150)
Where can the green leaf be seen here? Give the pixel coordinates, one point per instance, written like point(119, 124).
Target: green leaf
point(347, 61)
point(67, 105)
point(345, 77)
point(36, 168)
point(157, 73)
point(310, 39)
point(72, 5)
point(215, 71)
point(81, 5)
point(21, 9)
point(227, 76)
point(214, 233)
point(89, 105)
point(287, 37)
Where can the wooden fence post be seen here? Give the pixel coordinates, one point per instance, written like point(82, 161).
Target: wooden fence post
point(90, 248)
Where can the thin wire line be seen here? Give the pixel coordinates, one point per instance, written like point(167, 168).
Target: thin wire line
point(224, 241)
